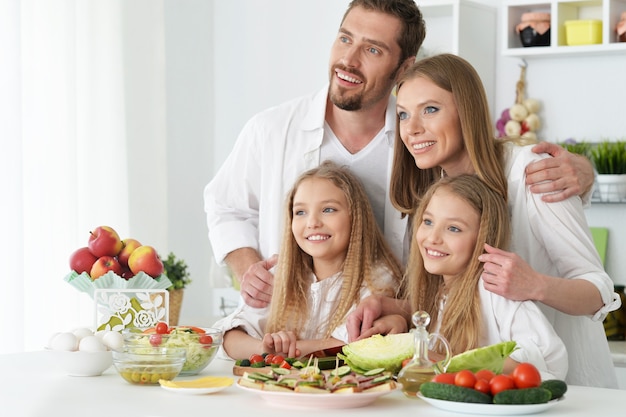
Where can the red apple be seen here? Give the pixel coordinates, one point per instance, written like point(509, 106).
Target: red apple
point(129, 245)
point(145, 258)
point(104, 241)
point(81, 260)
point(103, 265)
point(126, 273)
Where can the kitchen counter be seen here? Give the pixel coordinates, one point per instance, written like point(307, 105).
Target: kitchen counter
point(32, 386)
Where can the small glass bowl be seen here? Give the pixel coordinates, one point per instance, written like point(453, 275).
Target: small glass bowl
point(147, 365)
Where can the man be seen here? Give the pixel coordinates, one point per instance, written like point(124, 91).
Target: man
point(350, 121)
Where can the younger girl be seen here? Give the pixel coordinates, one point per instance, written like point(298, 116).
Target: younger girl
point(455, 219)
point(332, 255)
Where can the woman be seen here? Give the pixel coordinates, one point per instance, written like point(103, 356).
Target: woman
point(444, 129)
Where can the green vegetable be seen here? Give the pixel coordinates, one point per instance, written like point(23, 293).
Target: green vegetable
point(523, 396)
point(488, 357)
point(378, 352)
point(557, 387)
point(449, 392)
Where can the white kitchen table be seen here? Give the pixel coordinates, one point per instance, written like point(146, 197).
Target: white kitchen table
point(33, 386)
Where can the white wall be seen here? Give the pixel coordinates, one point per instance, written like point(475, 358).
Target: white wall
point(235, 58)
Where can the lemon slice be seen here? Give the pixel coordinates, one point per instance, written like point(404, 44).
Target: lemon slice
point(206, 382)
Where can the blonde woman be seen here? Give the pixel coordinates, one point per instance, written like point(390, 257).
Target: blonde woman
point(332, 255)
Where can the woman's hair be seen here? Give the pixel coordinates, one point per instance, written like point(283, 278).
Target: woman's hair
point(367, 251)
point(462, 320)
point(456, 75)
point(413, 30)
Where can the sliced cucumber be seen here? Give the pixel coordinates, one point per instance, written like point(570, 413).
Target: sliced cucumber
point(373, 372)
point(281, 371)
point(341, 371)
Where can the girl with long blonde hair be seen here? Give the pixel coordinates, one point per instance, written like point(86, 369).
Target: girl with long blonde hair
point(332, 255)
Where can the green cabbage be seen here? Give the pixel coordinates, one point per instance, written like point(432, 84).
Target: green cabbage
point(488, 357)
point(379, 352)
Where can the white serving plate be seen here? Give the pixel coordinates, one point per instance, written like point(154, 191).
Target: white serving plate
point(301, 400)
point(489, 409)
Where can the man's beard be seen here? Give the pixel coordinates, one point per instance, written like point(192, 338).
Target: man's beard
point(352, 103)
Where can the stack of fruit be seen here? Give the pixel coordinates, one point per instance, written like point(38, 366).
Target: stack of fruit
point(111, 262)
point(105, 252)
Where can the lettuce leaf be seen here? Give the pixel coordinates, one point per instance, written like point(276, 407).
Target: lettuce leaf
point(379, 351)
point(488, 357)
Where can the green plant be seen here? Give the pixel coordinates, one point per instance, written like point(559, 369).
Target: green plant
point(581, 148)
point(176, 271)
point(609, 157)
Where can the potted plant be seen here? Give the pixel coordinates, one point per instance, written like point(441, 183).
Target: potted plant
point(176, 271)
point(581, 148)
point(609, 160)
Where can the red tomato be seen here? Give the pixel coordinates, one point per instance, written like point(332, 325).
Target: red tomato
point(156, 339)
point(482, 385)
point(277, 360)
point(285, 364)
point(501, 382)
point(526, 375)
point(447, 378)
point(485, 374)
point(205, 339)
point(268, 358)
point(465, 378)
point(255, 358)
point(161, 328)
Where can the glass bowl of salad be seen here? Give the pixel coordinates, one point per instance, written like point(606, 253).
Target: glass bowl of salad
point(146, 365)
point(200, 343)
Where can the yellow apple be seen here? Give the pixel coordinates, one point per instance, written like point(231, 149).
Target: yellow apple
point(145, 258)
point(103, 265)
point(128, 246)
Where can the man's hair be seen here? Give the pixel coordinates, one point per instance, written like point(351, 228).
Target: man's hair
point(413, 26)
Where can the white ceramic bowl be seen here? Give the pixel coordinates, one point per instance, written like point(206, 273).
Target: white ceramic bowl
point(83, 363)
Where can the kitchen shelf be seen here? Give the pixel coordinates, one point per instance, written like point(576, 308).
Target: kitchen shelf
point(607, 11)
point(464, 28)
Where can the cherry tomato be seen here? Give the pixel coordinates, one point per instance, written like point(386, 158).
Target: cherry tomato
point(285, 364)
point(526, 375)
point(500, 383)
point(205, 339)
point(482, 385)
point(278, 359)
point(447, 378)
point(485, 374)
point(465, 378)
point(255, 358)
point(161, 328)
point(156, 339)
point(268, 358)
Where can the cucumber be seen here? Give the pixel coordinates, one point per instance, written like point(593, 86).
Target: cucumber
point(536, 395)
point(450, 392)
point(374, 371)
point(557, 387)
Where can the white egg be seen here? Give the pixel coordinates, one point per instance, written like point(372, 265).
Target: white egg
point(100, 333)
point(51, 338)
point(91, 344)
point(81, 332)
point(64, 341)
point(113, 340)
